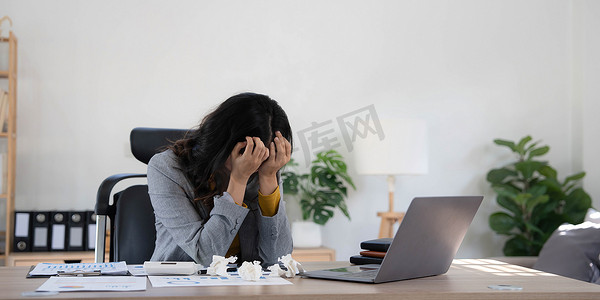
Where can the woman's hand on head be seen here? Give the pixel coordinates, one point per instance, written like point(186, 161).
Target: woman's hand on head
point(245, 164)
point(280, 152)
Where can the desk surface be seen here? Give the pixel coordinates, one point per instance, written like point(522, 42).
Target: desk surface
point(466, 279)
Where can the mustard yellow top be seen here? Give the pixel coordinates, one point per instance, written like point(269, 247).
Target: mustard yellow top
point(268, 206)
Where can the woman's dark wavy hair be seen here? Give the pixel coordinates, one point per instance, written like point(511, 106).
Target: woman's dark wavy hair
point(202, 153)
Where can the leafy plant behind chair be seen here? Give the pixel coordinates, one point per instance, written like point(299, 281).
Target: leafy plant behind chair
point(321, 190)
point(536, 202)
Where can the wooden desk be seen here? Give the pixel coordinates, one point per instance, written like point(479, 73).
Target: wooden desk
point(33, 258)
point(466, 279)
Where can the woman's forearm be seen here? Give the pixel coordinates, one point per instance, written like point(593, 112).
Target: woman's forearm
point(267, 183)
point(237, 189)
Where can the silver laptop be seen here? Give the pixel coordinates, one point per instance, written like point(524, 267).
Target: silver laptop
point(425, 243)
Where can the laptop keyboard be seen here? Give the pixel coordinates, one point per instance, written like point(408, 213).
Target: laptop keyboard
point(363, 274)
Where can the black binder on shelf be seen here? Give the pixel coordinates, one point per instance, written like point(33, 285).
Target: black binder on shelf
point(58, 231)
point(40, 223)
point(76, 226)
point(90, 223)
point(22, 234)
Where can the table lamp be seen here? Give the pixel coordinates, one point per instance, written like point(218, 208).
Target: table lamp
point(402, 151)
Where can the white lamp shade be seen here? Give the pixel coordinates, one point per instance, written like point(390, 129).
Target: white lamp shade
point(402, 151)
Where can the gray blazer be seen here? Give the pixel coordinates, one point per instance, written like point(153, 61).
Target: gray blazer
point(187, 231)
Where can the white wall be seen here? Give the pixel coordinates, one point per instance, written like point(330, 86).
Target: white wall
point(89, 71)
point(588, 91)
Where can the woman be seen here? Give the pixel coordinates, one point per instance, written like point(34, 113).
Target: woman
point(216, 191)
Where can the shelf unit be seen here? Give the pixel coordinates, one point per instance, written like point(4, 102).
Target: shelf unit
point(313, 254)
point(34, 258)
point(11, 138)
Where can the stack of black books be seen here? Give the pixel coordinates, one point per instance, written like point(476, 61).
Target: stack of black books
point(373, 251)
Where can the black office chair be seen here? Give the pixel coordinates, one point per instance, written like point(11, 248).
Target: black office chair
point(131, 215)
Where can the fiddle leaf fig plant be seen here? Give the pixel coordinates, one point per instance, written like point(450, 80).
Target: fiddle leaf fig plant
point(323, 189)
point(534, 200)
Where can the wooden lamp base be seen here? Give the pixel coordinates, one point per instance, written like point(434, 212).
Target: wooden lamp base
point(390, 217)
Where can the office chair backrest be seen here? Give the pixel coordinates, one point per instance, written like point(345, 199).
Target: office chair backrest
point(131, 215)
point(145, 142)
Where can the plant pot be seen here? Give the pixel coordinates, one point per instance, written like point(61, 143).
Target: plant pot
point(306, 234)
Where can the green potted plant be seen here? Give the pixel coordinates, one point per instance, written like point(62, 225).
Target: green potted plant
point(534, 200)
point(320, 193)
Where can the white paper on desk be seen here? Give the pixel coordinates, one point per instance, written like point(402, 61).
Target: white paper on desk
point(95, 283)
point(174, 281)
point(137, 270)
point(112, 268)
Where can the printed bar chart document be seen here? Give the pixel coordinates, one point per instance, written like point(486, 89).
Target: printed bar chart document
point(175, 281)
point(112, 268)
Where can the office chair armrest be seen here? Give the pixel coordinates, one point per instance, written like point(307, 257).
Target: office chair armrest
point(103, 195)
point(103, 208)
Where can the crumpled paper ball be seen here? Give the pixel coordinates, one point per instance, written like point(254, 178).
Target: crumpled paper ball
point(293, 267)
point(218, 266)
point(276, 271)
point(250, 271)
